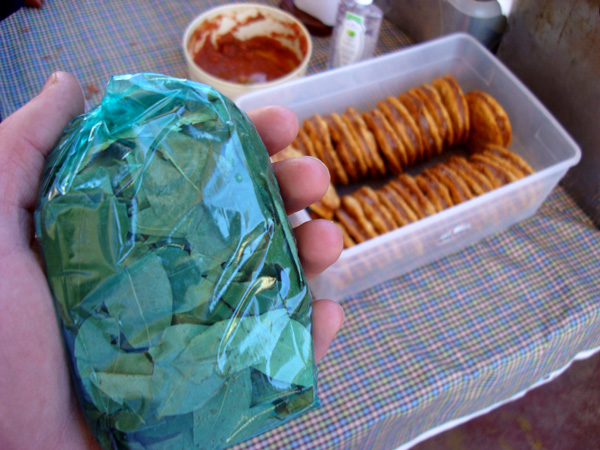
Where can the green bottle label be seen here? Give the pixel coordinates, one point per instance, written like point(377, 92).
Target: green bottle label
point(351, 39)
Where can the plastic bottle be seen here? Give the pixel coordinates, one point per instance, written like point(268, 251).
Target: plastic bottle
point(355, 33)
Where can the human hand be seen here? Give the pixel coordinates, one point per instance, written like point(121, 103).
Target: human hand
point(302, 182)
point(39, 408)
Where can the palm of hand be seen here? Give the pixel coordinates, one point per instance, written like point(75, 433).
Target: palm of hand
point(39, 408)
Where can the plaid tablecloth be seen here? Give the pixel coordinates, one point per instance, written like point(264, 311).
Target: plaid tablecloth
point(443, 342)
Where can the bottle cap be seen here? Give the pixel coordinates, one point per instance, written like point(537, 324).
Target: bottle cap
point(364, 2)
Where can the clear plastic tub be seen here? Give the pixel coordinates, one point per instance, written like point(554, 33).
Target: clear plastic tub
point(537, 137)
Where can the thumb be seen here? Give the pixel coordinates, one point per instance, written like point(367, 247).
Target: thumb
point(28, 135)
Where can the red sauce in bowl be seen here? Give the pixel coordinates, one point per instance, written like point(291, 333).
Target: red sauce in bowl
point(255, 60)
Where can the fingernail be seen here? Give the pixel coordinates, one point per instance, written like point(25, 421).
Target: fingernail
point(322, 163)
point(52, 79)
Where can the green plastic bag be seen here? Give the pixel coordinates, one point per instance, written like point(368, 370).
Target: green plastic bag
point(173, 266)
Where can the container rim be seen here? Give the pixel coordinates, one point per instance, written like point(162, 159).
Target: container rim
point(191, 27)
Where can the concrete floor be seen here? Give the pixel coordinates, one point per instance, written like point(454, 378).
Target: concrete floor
point(563, 414)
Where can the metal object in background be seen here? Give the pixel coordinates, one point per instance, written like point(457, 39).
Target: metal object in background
point(422, 20)
point(553, 46)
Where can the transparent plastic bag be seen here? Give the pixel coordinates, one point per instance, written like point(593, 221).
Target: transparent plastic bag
point(184, 308)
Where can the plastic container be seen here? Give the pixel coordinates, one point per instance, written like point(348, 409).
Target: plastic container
point(242, 20)
point(537, 137)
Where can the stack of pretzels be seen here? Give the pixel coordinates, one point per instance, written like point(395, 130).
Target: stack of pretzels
point(400, 133)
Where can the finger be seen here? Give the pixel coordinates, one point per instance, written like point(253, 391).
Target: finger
point(277, 126)
point(302, 182)
point(319, 245)
point(28, 135)
point(328, 318)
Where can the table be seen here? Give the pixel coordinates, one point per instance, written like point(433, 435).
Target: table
point(416, 354)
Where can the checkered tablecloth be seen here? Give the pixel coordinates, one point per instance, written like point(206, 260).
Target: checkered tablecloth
point(440, 343)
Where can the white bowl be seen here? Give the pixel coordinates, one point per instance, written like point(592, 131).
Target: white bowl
point(238, 19)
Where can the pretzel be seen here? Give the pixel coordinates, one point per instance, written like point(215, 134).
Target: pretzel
point(459, 191)
point(514, 159)
point(407, 196)
point(375, 163)
point(433, 102)
point(389, 144)
point(499, 174)
point(291, 151)
point(304, 144)
point(399, 132)
point(347, 148)
point(381, 218)
point(350, 224)
point(424, 121)
point(417, 194)
point(402, 212)
point(318, 131)
point(476, 181)
point(438, 193)
point(456, 105)
point(490, 123)
point(353, 207)
point(433, 141)
point(405, 126)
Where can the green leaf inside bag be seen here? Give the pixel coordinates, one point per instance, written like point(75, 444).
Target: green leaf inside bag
point(176, 280)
